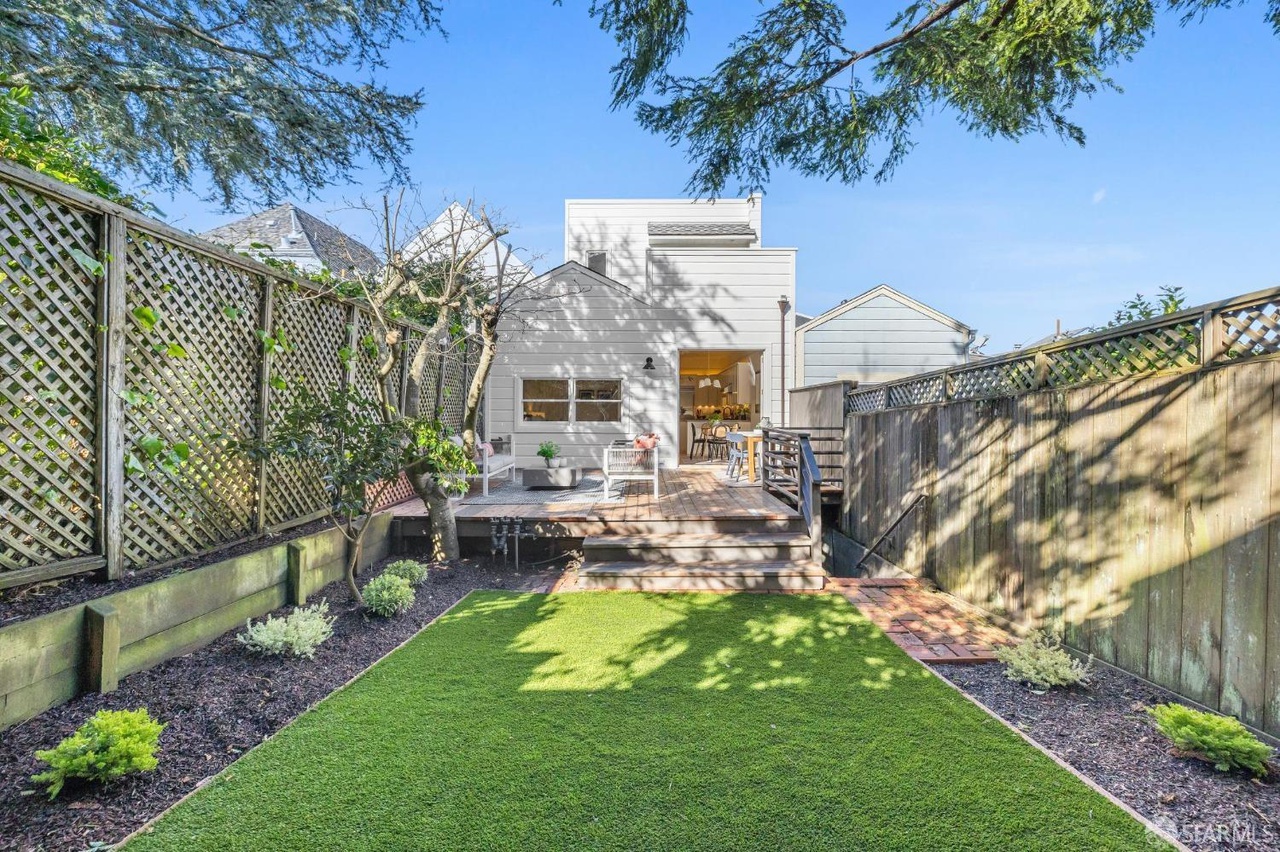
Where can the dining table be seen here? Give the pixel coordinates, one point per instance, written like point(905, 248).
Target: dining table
point(752, 440)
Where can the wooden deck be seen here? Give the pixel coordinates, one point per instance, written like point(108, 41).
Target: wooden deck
point(690, 496)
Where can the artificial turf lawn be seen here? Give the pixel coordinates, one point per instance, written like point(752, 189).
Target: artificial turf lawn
point(638, 721)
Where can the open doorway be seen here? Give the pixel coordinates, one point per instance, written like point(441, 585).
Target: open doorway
point(717, 386)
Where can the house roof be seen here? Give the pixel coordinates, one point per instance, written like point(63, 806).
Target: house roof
point(578, 269)
point(701, 229)
point(457, 220)
point(286, 229)
point(884, 290)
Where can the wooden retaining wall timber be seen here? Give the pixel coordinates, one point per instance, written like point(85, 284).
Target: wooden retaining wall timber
point(1141, 517)
point(48, 660)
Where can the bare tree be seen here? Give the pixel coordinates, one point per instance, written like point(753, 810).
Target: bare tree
point(457, 276)
point(430, 266)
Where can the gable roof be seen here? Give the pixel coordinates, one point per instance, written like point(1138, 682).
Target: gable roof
point(883, 290)
point(288, 230)
point(701, 229)
point(577, 268)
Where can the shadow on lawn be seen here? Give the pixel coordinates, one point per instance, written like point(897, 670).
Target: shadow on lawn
point(722, 642)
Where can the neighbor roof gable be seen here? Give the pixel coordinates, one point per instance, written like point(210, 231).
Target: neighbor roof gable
point(876, 292)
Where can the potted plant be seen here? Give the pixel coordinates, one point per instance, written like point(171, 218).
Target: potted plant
point(549, 450)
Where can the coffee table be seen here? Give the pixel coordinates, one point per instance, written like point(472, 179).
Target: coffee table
point(550, 477)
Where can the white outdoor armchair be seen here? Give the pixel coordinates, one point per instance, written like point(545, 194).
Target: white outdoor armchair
point(623, 460)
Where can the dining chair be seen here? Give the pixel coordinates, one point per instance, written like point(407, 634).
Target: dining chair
point(737, 455)
point(718, 443)
point(701, 441)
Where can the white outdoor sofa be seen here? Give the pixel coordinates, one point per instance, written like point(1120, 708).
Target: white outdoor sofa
point(489, 466)
point(623, 461)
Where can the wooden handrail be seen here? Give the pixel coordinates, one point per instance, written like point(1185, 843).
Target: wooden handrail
point(789, 460)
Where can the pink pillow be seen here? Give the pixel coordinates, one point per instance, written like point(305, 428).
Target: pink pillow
point(646, 442)
point(486, 448)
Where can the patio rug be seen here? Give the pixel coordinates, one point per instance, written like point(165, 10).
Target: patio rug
point(590, 490)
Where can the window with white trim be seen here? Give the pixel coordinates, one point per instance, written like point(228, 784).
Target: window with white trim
point(597, 401)
point(571, 400)
point(545, 400)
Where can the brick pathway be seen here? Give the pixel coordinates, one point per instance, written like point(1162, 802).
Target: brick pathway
point(930, 626)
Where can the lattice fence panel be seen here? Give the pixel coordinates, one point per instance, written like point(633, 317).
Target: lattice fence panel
point(400, 491)
point(453, 397)
point(862, 401)
point(1005, 379)
point(1252, 331)
point(314, 330)
point(365, 375)
point(48, 374)
point(1131, 355)
point(919, 392)
point(206, 399)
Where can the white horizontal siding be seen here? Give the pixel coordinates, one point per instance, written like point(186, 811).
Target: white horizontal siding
point(602, 331)
point(879, 341)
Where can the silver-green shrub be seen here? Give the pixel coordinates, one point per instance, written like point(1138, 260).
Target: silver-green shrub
point(299, 633)
point(388, 595)
point(414, 572)
point(1041, 662)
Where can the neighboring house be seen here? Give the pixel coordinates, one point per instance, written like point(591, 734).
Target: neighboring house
point(663, 312)
point(288, 233)
point(878, 336)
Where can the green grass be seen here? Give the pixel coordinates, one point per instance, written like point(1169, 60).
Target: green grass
point(633, 721)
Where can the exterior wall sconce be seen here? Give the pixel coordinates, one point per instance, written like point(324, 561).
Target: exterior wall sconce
point(648, 364)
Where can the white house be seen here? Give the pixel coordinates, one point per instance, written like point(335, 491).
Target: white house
point(663, 312)
point(878, 336)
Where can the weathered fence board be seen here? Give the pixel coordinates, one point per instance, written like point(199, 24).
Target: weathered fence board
point(161, 341)
point(1141, 516)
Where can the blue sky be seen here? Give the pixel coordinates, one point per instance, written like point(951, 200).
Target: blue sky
point(1179, 182)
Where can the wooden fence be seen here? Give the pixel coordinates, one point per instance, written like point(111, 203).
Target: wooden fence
point(1140, 515)
point(160, 342)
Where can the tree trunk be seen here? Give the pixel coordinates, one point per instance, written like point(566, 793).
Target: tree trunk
point(444, 529)
point(475, 391)
point(353, 559)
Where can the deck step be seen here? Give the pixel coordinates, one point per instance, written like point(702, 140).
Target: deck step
point(688, 548)
point(770, 576)
point(575, 528)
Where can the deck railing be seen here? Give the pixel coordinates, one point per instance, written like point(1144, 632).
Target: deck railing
point(790, 472)
point(1243, 327)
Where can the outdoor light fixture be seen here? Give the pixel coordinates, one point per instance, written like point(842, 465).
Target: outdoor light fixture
point(648, 364)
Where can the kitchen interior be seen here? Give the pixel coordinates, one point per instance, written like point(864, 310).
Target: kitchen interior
point(719, 384)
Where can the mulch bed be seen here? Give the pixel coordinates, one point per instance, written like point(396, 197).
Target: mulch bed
point(218, 702)
point(23, 602)
point(1105, 732)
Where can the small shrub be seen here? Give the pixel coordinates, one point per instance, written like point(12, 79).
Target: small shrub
point(1043, 663)
point(414, 572)
point(299, 633)
point(1220, 740)
point(112, 744)
point(388, 595)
